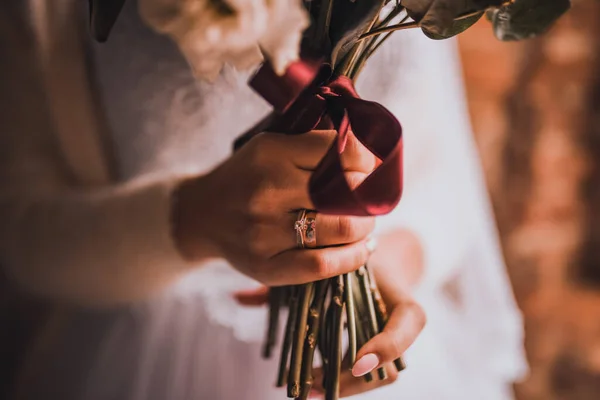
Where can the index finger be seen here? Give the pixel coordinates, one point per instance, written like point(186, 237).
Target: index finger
point(298, 266)
point(309, 148)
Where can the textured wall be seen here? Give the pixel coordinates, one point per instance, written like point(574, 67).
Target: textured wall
point(536, 114)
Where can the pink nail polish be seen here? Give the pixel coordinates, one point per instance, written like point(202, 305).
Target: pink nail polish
point(365, 364)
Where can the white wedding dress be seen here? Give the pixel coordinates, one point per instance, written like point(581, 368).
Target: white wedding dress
point(194, 341)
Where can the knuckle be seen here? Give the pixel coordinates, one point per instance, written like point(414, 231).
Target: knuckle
point(352, 144)
point(264, 272)
point(393, 344)
point(254, 150)
point(358, 156)
point(355, 179)
point(392, 376)
point(321, 266)
point(256, 203)
point(268, 139)
point(317, 140)
point(353, 148)
point(347, 228)
point(263, 148)
point(255, 242)
point(397, 345)
point(420, 316)
point(262, 200)
point(360, 257)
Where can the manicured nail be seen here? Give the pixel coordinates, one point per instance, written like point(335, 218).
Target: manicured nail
point(371, 245)
point(366, 364)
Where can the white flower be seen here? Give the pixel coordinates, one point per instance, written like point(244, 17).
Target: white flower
point(211, 33)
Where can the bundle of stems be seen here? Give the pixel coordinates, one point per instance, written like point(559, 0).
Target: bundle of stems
point(320, 312)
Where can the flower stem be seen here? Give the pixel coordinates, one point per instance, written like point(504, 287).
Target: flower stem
point(393, 14)
point(350, 318)
point(289, 334)
point(332, 390)
point(373, 328)
point(361, 314)
point(383, 39)
point(293, 387)
point(391, 28)
point(315, 314)
point(325, 341)
point(409, 25)
point(373, 44)
point(275, 300)
point(382, 316)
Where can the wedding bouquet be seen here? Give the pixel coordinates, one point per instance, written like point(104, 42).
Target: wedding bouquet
point(312, 52)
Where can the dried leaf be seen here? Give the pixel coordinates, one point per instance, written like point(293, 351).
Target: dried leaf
point(350, 20)
point(437, 17)
point(524, 19)
point(458, 26)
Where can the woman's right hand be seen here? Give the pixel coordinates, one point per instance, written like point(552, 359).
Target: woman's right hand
point(245, 210)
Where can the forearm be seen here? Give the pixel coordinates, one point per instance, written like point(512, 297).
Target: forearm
point(96, 247)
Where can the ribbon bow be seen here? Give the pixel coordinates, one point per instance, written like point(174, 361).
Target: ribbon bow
point(307, 96)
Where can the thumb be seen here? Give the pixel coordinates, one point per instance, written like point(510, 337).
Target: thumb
point(406, 322)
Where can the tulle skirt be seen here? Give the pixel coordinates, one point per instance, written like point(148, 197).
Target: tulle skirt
point(195, 342)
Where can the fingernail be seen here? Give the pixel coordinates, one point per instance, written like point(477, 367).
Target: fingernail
point(365, 365)
point(371, 245)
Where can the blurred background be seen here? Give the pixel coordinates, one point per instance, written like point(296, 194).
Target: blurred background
point(535, 110)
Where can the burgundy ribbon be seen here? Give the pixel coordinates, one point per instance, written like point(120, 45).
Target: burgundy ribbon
point(307, 97)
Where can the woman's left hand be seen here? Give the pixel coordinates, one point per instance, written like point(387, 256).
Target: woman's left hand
point(397, 265)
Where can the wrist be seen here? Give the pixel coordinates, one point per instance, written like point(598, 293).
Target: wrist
point(190, 221)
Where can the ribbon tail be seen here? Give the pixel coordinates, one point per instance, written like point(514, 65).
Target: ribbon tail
point(328, 187)
point(303, 100)
point(378, 130)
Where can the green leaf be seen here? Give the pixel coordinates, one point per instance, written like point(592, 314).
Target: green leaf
point(458, 26)
point(524, 19)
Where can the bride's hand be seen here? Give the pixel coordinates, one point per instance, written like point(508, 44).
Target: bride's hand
point(397, 265)
point(245, 210)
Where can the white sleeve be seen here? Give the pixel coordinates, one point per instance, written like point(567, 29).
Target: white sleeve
point(103, 245)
